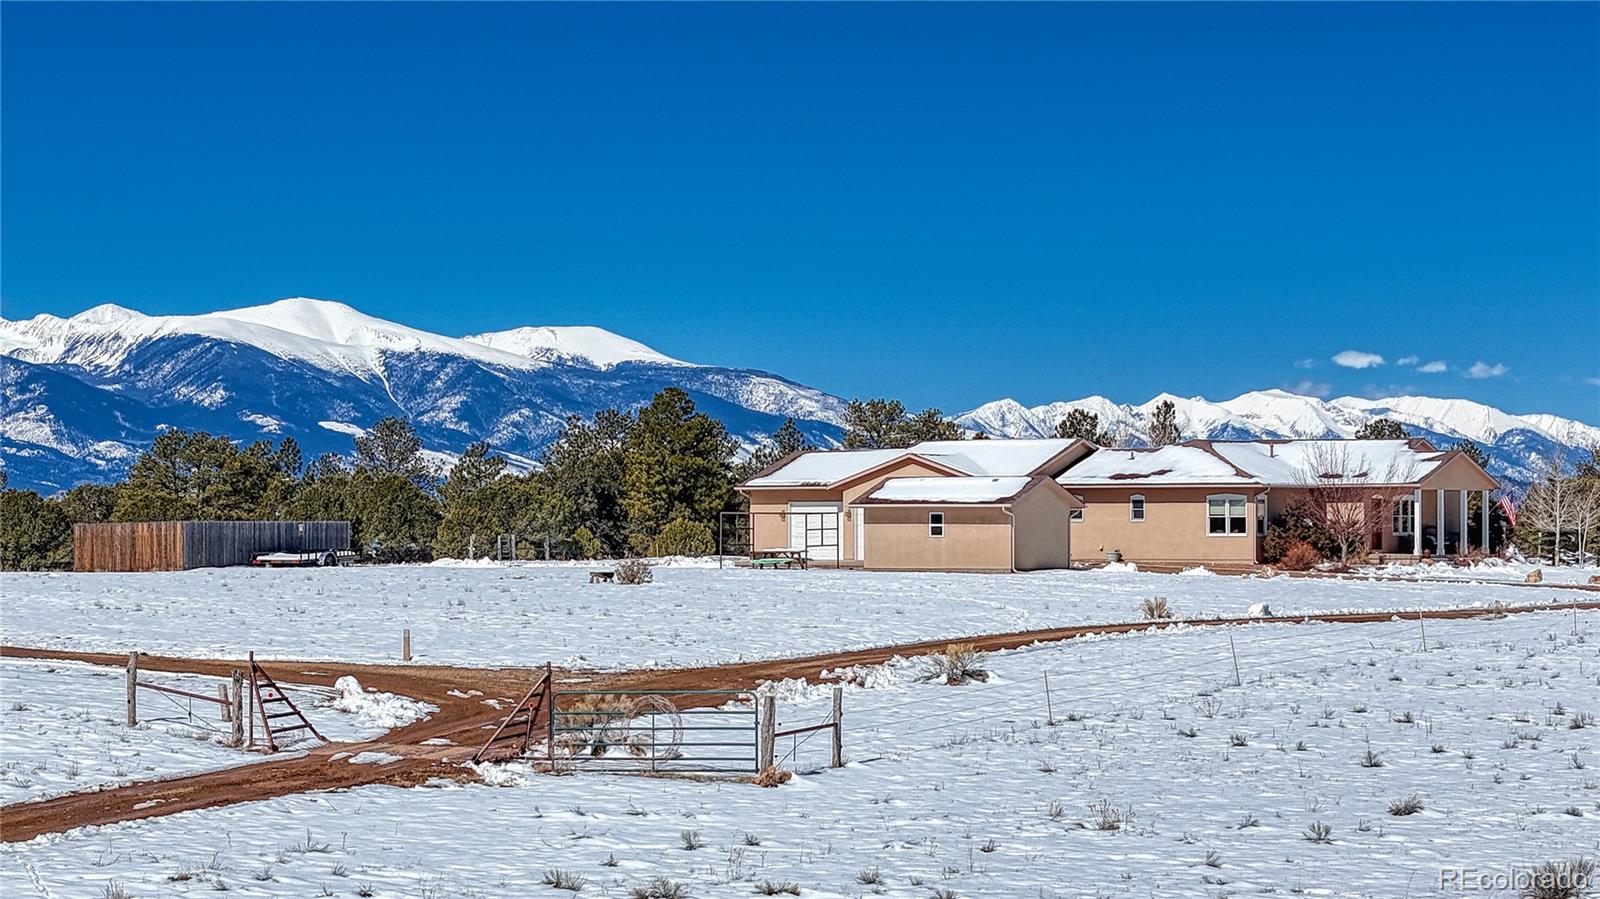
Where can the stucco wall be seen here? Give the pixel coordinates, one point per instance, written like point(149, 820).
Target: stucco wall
point(1174, 529)
point(769, 507)
point(1043, 533)
point(976, 539)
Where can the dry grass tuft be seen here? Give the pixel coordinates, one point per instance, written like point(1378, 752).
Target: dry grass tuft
point(633, 572)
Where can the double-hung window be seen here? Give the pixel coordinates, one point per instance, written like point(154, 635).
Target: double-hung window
point(1136, 507)
point(935, 524)
point(1405, 517)
point(1226, 515)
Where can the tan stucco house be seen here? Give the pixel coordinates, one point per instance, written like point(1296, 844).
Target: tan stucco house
point(1209, 501)
point(967, 505)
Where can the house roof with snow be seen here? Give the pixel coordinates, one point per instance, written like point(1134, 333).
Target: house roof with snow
point(1175, 465)
point(1286, 463)
point(974, 458)
point(977, 490)
point(1262, 463)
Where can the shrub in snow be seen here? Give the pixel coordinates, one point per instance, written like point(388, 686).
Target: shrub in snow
point(691, 840)
point(562, 879)
point(1105, 816)
point(772, 777)
point(869, 876)
point(777, 888)
point(958, 664)
point(1318, 832)
point(1299, 556)
point(1155, 608)
point(659, 888)
point(1407, 806)
point(633, 571)
point(1559, 880)
point(682, 537)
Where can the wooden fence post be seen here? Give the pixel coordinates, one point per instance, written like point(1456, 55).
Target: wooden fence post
point(133, 688)
point(838, 727)
point(238, 708)
point(227, 707)
point(1049, 713)
point(769, 726)
point(1424, 628)
point(405, 644)
point(1237, 681)
point(250, 703)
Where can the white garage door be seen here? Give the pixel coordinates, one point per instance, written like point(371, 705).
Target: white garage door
point(814, 527)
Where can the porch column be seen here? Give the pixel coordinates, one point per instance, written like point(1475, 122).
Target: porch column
point(1462, 542)
point(1439, 523)
point(1485, 512)
point(1416, 523)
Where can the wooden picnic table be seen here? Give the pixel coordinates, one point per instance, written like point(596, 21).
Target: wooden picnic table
point(776, 556)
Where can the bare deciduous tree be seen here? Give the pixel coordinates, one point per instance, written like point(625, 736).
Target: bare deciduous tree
point(1548, 505)
point(1347, 499)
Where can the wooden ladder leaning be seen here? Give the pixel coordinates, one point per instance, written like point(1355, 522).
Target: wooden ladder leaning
point(267, 694)
point(519, 725)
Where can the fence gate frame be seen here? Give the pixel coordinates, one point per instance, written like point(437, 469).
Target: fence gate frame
point(607, 730)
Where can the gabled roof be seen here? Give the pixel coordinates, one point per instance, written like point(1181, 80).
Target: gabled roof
point(1287, 463)
point(1167, 466)
point(1264, 463)
point(991, 458)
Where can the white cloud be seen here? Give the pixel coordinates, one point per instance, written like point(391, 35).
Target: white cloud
point(1434, 367)
point(1306, 363)
point(1309, 387)
point(1358, 359)
point(1407, 360)
point(1481, 370)
point(1592, 382)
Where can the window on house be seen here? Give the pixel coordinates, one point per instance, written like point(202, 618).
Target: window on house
point(935, 524)
point(1405, 517)
point(1136, 508)
point(1225, 515)
point(1075, 515)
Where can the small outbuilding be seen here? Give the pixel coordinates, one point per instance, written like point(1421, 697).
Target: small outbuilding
point(1018, 523)
point(180, 545)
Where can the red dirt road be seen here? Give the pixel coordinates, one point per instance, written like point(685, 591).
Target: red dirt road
point(466, 721)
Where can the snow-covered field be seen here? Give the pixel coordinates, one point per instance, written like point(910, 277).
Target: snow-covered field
point(1159, 777)
point(530, 613)
point(63, 726)
point(1491, 570)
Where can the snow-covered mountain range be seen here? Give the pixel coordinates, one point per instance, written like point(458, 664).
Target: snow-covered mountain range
point(83, 395)
point(1513, 442)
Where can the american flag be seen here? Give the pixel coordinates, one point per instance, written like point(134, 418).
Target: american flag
point(1509, 509)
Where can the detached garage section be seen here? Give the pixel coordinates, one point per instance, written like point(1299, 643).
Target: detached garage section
point(811, 503)
point(180, 545)
point(967, 524)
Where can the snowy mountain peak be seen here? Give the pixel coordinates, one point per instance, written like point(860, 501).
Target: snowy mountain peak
point(325, 333)
point(580, 343)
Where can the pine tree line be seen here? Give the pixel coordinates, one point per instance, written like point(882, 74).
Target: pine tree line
point(645, 482)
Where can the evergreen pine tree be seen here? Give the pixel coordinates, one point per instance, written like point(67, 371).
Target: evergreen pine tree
point(1082, 424)
point(1164, 429)
point(1381, 429)
point(677, 463)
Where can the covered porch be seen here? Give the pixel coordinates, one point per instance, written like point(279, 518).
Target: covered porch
point(1446, 514)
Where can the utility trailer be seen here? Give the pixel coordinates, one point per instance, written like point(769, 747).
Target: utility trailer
point(324, 558)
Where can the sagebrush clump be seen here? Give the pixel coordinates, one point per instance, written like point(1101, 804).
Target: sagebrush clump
point(633, 572)
point(1155, 608)
point(960, 663)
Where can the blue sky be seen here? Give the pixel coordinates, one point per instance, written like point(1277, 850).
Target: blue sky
point(944, 203)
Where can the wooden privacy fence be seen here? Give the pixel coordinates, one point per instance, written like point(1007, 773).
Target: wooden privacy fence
point(178, 545)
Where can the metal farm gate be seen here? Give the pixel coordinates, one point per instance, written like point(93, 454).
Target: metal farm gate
point(648, 731)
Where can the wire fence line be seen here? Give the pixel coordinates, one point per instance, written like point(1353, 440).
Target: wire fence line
point(1403, 635)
